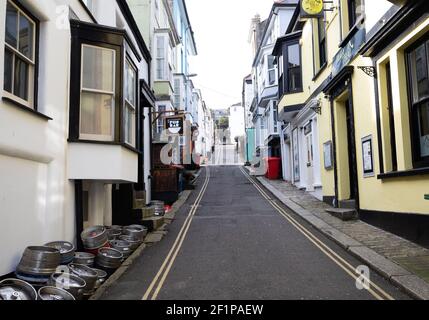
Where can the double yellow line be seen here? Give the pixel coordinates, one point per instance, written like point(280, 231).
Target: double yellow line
point(372, 288)
point(159, 280)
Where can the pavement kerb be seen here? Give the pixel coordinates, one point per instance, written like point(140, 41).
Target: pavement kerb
point(412, 284)
point(127, 263)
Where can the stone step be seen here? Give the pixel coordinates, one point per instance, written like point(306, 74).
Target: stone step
point(347, 204)
point(146, 212)
point(153, 223)
point(139, 203)
point(344, 214)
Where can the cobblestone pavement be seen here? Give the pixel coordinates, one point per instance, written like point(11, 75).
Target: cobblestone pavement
point(407, 254)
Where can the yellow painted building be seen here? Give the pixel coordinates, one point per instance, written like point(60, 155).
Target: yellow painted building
point(363, 68)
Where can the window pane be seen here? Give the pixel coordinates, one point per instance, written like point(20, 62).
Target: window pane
point(423, 115)
point(294, 67)
point(419, 73)
point(270, 62)
point(160, 47)
point(129, 125)
point(98, 69)
point(8, 69)
point(11, 25)
point(96, 114)
point(272, 76)
point(130, 84)
point(293, 55)
point(21, 79)
point(26, 37)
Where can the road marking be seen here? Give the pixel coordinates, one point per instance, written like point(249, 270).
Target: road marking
point(171, 257)
point(378, 293)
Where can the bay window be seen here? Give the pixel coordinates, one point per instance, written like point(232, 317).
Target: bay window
point(103, 86)
point(418, 71)
point(20, 56)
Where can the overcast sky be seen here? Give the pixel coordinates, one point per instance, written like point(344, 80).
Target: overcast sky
point(224, 57)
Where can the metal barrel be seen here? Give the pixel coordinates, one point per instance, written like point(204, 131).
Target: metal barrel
point(39, 261)
point(109, 258)
point(14, 289)
point(54, 294)
point(84, 258)
point(68, 282)
point(134, 244)
point(101, 278)
point(66, 250)
point(115, 227)
point(137, 232)
point(86, 273)
point(159, 207)
point(94, 237)
point(113, 234)
point(123, 246)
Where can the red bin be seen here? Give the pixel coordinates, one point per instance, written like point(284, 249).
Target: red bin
point(273, 166)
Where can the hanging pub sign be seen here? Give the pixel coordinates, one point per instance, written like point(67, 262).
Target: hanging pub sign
point(311, 8)
point(174, 125)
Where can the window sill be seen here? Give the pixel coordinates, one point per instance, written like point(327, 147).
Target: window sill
point(407, 173)
point(27, 109)
point(112, 143)
point(352, 32)
point(318, 73)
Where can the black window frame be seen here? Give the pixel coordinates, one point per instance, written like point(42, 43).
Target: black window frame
point(322, 43)
point(34, 106)
point(418, 160)
point(389, 89)
point(286, 71)
point(84, 33)
point(352, 12)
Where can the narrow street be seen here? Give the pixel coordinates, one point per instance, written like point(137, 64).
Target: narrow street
point(236, 245)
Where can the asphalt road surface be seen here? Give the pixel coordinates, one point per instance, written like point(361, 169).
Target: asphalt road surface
point(233, 240)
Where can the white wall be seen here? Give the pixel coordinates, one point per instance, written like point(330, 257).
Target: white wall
point(36, 197)
point(36, 194)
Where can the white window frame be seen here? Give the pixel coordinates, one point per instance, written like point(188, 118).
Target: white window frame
point(97, 137)
point(161, 118)
point(128, 104)
point(177, 93)
point(273, 69)
point(31, 63)
point(161, 60)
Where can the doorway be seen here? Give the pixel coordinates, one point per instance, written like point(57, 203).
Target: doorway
point(351, 149)
point(346, 184)
point(310, 156)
